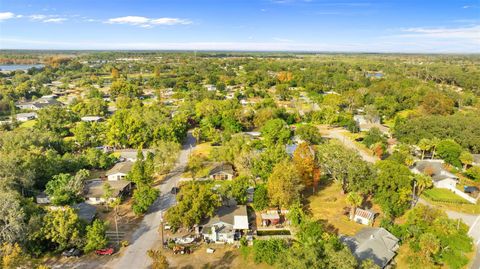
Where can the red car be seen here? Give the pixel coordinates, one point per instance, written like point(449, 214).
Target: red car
point(105, 251)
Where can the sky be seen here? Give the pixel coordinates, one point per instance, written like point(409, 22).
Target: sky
point(410, 26)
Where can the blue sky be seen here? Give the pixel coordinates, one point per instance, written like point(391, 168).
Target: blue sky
point(298, 25)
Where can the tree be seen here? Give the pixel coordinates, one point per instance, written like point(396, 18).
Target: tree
point(354, 200)
point(309, 133)
point(307, 167)
point(345, 166)
point(65, 189)
point(159, 261)
point(425, 145)
point(436, 103)
point(12, 222)
point(260, 198)
point(275, 132)
point(143, 197)
point(268, 251)
point(429, 245)
point(369, 264)
point(284, 185)
point(55, 119)
point(62, 227)
point(196, 201)
point(166, 153)
point(115, 74)
point(450, 151)
point(11, 255)
point(423, 182)
point(466, 158)
point(96, 236)
point(393, 187)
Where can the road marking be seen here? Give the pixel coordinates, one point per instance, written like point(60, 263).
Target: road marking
point(474, 223)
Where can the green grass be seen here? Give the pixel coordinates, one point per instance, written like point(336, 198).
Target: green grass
point(28, 124)
point(440, 195)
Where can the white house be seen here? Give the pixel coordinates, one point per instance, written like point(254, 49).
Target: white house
point(434, 168)
point(92, 119)
point(26, 116)
point(226, 225)
point(222, 171)
point(119, 171)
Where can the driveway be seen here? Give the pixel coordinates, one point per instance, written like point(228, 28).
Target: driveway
point(339, 134)
point(146, 235)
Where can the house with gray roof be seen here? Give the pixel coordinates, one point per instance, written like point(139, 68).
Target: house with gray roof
point(222, 171)
point(119, 171)
point(434, 168)
point(85, 211)
point(375, 244)
point(95, 190)
point(227, 221)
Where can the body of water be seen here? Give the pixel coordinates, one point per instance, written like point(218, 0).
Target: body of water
point(13, 67)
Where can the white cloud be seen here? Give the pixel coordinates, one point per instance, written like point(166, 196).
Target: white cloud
point(47, 18)
point(279, 39)
point(6, 16)
point(55, 20)
point(471, 33)
point(147, 22)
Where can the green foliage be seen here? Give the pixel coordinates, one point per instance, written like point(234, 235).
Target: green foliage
point(473, 172)
point(96, 237)
point(284, 185)
point(264, 162)
point(260, 198)
point(458, 127)
point(275, 132)
point(309, 133)
point(374, 136)
point(196, 201)
point(97, 159)
point(143, 198)
point(393, 187)
point(236, 189)
point(65, 189)
point(62, 227)
point(268, 251)
point(55, 119)
point(166, 153)
point(450, 151)
point(126, 88)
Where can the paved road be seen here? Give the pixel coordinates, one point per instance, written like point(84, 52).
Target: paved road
point(145, 237)
point(339, 134)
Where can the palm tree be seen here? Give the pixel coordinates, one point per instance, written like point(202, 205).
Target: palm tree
point(354, 200)
point(435, 141)
point(466, 158)
point(423, 182)
point(425, 145)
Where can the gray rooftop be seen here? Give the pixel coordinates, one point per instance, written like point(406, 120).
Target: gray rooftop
point(376, 244)
point(94, 188)
point(85, 211)
point(222, 168)
point(434, 168)
point(227, 214)
point(122, 167)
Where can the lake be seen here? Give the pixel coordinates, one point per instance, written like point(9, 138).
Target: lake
point(13, 67)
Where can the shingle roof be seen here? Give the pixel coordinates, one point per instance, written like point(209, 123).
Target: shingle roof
point(222, 168)
point(376, 244)
point(95, 187)
point(367, 214)
point(85, 211)
point(122, 167)
point(227, 215)
point(436, 169)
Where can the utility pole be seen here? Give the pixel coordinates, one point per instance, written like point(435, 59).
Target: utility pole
point(116, 225)
point(161, 228)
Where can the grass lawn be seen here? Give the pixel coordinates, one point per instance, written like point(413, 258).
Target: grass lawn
point(439, 195)
point(28, 124)
point(203, 149)
point(328, 205)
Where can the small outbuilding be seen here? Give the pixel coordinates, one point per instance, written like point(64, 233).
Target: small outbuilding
point(363, 216)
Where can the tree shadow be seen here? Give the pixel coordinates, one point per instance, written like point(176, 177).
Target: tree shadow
point(224, 262)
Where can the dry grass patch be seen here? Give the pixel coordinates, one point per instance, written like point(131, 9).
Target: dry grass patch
point(329, 205)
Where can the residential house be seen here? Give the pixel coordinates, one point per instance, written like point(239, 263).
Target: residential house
point(38, 104)
point(85, 212)
point(91, 118)
point(434, 168)
point(42, 199)
point(363, 216)
point(366, 123)
point(270, 217)
point(26, 116)
point(222, 171)
point(95, 190)
point(375, 244)
point(131, 154)
point(226, 225)
point(119, 171)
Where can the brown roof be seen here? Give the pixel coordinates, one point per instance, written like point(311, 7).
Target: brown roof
point(222, 168)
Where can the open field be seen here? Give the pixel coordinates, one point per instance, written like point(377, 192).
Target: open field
point(440, 195)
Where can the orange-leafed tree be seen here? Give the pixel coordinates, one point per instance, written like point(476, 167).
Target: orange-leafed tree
point(304, 161)
point(284, 76)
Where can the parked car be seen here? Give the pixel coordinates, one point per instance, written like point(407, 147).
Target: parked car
point(470, 189)
point(105, 251)
point(174, 190)
point(72, 253)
